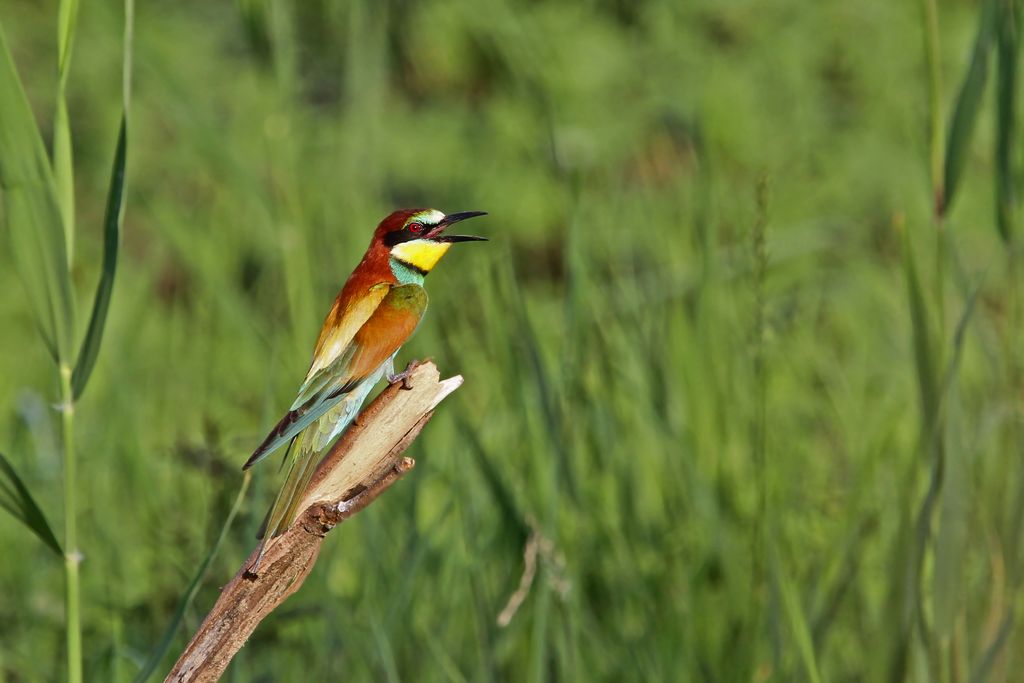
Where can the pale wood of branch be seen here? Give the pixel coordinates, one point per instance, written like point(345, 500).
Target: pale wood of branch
point(364, 463)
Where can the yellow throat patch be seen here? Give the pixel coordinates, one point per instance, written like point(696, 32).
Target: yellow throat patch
point(422, 255)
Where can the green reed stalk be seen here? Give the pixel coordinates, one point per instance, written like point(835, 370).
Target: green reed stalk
point(763, 552)
point(63, 162)
point(934, 420)
point(935, 128)
point(936, 145)
point(63, 171)
point(72, 558)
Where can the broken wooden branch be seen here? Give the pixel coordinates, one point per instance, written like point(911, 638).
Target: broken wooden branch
point(361, 466)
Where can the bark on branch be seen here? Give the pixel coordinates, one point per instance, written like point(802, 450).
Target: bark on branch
point(364, 463)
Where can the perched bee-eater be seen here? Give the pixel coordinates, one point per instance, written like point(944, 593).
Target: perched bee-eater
point(377, 310)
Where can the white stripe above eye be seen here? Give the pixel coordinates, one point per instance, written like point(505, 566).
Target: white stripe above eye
point(427, 217)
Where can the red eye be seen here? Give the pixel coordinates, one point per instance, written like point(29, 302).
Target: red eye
point(416, 227)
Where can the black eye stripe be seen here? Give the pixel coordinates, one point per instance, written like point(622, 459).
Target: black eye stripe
point(405, 234)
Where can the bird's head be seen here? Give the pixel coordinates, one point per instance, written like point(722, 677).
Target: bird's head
point(418, 238)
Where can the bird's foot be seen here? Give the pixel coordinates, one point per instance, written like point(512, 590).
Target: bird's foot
point(402, 377)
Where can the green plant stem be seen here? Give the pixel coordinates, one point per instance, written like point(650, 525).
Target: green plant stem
point(939, 649)
point(63, 162)
point(936, 447)
point(935, 132)
point(936, 147)
point(72, 558)
point(763, 527)
point(941, 257)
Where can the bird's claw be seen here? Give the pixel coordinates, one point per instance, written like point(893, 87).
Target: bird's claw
point(402, 377)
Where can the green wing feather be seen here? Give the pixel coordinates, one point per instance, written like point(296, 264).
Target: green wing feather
point(322, 391)
point(331, 398)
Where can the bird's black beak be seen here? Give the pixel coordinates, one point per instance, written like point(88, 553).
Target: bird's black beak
point(453, 218)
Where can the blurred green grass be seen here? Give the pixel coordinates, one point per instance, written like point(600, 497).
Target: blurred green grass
point(608, 336)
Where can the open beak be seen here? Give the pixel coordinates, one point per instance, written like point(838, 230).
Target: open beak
point(451, 219)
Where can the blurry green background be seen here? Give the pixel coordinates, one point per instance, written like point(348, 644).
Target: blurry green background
point(700, 407)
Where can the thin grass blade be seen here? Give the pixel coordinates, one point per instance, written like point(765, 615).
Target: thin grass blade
point(19, 502)
point(67, 17)
point(385, 652)
point(32, 215)
point(112, 224)
point(63, 173)
point(1007, 54)
point(968, 102)
point(511, 514)
point(953, 496)
point(797, 620)
point(159, 650)
point(951, 539)
point(922, 336)
point(905, 587)
point(547, 389)
point(63, 163)
point(991, 654)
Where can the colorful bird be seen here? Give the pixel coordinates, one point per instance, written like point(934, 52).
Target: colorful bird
point(376, 311)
